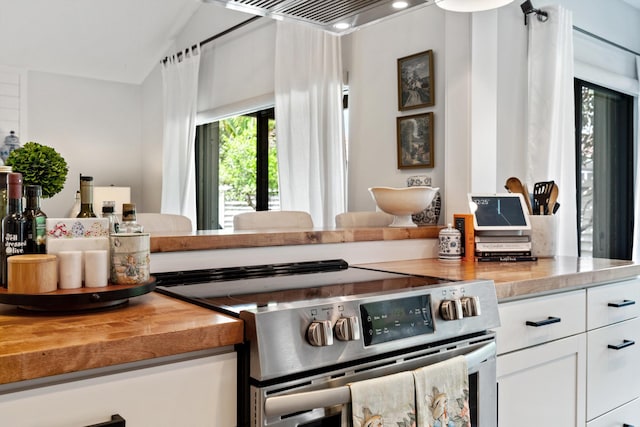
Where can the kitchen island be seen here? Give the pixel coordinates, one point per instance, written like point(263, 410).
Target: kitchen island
point(36, 345)
point(41, 352)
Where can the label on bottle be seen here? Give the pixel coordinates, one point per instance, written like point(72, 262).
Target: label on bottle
point(14, 244)
point(36, 241)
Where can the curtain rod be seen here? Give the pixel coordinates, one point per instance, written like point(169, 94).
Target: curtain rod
point(597, 37)
point(220, 34)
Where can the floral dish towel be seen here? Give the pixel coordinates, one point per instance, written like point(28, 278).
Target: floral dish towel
point(383, 401)
point(442, 394)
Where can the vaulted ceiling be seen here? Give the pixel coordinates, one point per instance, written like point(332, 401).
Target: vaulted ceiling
point(118, 40)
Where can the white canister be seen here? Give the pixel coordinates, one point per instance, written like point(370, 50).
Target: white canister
point(96, 268)
point(130, 257)
point(543, 235)
point(69, 269)
point(450, 244)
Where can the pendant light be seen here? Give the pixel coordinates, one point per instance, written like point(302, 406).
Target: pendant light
point(471, 5)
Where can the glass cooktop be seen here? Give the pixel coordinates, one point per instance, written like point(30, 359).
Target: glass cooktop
point(267, 287)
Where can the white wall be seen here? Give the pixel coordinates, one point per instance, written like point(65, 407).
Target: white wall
point(152, 123)
point(373, 101)
point(95, 125)
point(13, 102)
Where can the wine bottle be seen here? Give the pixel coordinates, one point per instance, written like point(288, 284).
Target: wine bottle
point(86, 197)
point(13, 225)
point(36, 221)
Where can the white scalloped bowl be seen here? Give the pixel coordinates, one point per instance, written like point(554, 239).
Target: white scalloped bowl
point(403, 202)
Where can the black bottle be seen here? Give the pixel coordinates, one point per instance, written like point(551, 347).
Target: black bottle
point(36, 221)
point(13, 225)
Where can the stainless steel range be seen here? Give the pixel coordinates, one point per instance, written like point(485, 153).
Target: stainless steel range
point(311, 328)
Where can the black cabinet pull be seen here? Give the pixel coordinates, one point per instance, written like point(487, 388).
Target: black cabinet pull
point(623, 344)
point(627, 425)
point(623, 303)
point(116, 421)
point(545, 322)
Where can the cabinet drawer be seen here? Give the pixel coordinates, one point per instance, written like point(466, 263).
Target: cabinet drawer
point(627, 415)
point(537, 320)
point(613, 372)
point(613, 303)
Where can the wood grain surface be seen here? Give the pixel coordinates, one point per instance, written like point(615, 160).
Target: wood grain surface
point(226, 239)
point(36, 345)
point(521, 279)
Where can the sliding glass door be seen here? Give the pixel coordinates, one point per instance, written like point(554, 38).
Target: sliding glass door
point(605, 153)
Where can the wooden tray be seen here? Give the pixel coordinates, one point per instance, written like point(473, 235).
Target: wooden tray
point(78, 299)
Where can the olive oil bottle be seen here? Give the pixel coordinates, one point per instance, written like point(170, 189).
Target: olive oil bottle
point(86, 197)
point(36, 221)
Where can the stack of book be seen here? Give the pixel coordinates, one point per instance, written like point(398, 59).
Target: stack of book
point(507, 247)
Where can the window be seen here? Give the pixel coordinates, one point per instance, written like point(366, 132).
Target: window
point(236, 168)
point(604, 157)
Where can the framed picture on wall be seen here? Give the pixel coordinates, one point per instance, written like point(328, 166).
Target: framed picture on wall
point(415, 81)
point(415, 141)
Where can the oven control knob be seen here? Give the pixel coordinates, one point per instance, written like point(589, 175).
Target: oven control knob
point(451, 309)
point(320, 333)
point(347, 328)
point(470, 306)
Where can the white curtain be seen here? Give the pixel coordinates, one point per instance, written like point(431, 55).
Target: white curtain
point(309, 122)
point(180, 93)
point(636, 208)
point(550, 127)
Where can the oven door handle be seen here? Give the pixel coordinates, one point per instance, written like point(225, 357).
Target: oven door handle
point(298, 402)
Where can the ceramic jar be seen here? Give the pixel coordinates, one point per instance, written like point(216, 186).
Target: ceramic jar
point(450, 244)
point(431, 215)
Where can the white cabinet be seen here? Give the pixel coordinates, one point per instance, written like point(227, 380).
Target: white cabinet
point(543, 385)
point(541, 366)
point(613, 347)
point(538, 320)
point(571, 359)
point(199, 392)
point(624, 416)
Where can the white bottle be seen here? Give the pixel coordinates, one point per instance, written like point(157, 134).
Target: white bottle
point(108, 211)
point(75, 209)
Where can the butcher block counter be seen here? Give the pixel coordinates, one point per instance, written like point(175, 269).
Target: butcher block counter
point(522, 279)
point(35, 345)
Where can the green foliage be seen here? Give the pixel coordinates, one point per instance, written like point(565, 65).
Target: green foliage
point(238, 170)
point(40, 165)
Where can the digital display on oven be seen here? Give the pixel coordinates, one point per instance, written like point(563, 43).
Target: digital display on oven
point(395, 319)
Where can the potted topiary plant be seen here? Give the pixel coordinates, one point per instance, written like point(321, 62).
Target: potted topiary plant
point(39, 165)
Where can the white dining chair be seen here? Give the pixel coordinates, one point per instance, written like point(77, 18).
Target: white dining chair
point(262, 220)
point(164, 223)
point(363, 219)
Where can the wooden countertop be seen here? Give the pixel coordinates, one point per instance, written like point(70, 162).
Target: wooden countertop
point(226, 239)
point(522, 279)
point(34, 345)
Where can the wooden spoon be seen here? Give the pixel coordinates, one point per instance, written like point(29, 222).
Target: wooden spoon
point(514, 185)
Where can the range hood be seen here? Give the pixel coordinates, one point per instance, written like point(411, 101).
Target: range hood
point(322, 13)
